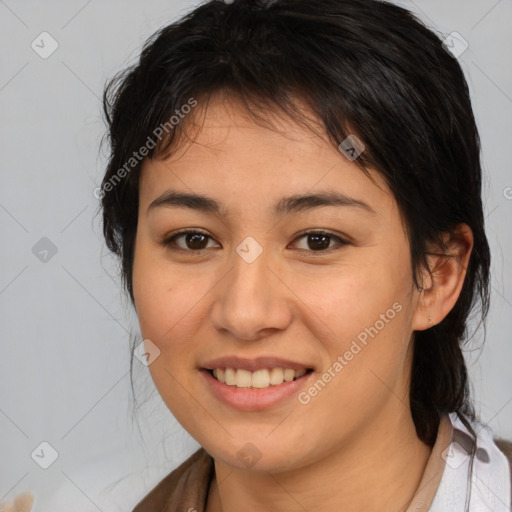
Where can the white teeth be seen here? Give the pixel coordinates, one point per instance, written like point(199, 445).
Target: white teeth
point(259, 379)
point(230, 377)
point(276, 376)
point(243, 379)
point(288, 374)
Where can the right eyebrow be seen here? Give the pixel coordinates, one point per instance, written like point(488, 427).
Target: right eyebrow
point(183, 199)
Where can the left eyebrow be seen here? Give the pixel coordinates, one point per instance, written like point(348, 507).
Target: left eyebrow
point(298, 202)
point(286, 205)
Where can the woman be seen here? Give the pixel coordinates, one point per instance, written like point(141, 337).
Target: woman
point(294, 193)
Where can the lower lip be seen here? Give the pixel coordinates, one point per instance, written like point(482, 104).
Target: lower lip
point(248, 399)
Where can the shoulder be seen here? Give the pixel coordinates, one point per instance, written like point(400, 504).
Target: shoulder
point(184, 488)
point(506, 448)
point(490, 449)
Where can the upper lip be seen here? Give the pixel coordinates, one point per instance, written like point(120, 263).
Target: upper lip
point(258, 363)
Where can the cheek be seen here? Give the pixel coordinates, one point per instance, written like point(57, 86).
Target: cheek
point(367, 367)
point(369, 313)
point(168, 299)
point(353, 297)
point(152, 289)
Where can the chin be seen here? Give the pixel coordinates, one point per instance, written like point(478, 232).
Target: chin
point(258, 454)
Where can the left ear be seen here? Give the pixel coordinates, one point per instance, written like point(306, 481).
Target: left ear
point(448, 272)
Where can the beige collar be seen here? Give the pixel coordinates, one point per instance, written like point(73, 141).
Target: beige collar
point(429, 483)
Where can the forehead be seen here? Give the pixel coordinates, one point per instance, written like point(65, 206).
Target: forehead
point(225, 152)
point(225, 125)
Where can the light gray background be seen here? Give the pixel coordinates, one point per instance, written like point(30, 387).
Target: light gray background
point(65, 323)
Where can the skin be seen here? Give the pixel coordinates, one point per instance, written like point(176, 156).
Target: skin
point(22, 503)
point(350, 444)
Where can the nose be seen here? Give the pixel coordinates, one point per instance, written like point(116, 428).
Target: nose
point(251, 301)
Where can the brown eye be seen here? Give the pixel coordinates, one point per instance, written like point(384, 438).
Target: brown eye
point(319, 241)
point(196, 241)
point(192, 241)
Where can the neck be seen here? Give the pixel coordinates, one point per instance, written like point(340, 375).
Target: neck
point(378, 469)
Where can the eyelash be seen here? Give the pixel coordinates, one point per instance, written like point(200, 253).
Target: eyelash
point(169, 241)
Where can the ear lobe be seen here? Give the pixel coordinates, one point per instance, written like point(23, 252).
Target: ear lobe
point(446, 278)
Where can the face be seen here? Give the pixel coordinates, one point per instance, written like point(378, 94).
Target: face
point(250, 282)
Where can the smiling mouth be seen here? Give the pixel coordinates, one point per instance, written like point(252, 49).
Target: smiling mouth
point(259, 379)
